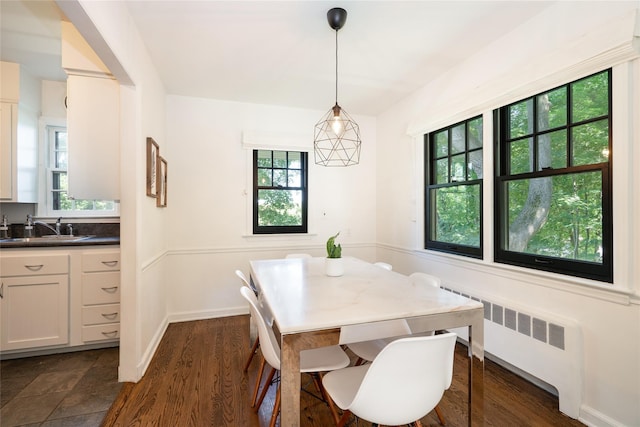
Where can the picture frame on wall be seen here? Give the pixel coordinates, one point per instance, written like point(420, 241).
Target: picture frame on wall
point(153, 152)
point(161, 200)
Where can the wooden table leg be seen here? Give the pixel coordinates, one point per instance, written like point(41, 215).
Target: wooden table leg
point(476, 370)
point(289, 382)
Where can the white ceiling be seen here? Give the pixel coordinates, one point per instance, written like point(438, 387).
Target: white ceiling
point(283, 53)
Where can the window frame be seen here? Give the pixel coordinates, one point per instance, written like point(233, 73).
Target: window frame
point(430, 184)
point(577, 268)
point(304, 170)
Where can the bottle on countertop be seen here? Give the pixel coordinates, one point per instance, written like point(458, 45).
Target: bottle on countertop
point(4, 228)
point(28, 227)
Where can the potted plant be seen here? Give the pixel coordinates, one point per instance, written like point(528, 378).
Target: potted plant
point(334, 264)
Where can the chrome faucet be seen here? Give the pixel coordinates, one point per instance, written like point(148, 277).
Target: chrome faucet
point(55, 231)
point(28, 227)
point(58, 225)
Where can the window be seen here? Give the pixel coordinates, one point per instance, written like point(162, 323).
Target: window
point(553, 185)
point(279, 192)
point(57, 200)
point(454, 189)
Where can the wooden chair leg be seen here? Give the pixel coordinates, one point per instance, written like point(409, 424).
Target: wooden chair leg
point(257, 387)
point(276, 408)
point(418, 423)
point(439, 414)
point(317, 380)
point(346, 416)
point(254, 348)
point(359, 362)
point(265, 387)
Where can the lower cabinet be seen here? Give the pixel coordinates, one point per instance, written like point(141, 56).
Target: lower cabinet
point(34, 301)
point(100, 296)
point(57, 298)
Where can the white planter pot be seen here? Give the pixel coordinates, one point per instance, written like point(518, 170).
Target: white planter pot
point(334, 267)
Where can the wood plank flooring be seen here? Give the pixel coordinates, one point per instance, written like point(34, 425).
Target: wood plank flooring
point(196, 379)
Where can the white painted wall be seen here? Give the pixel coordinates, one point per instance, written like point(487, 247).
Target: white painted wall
point(110, 31)
point(210, 191)
point(567, 41)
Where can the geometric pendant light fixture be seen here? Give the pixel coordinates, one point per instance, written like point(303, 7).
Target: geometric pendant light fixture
point(337, 137)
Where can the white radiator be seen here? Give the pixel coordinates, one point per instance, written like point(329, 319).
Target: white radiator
point(542, 345)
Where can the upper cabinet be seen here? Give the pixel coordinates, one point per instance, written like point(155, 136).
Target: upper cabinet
point(93, 124)
point(19, 110)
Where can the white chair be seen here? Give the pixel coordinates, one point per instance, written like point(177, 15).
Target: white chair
point(425, 279)
point(383, 265)
point(311, 361)
point(364, 340)
point(298, 256)
point(256, 343)
point(403, 384)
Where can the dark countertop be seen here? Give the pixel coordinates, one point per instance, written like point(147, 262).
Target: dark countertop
point(91, 241)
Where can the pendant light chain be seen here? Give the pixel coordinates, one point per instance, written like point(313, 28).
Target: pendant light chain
point(336, 67)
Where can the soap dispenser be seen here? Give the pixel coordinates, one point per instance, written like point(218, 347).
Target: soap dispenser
point(4, 228)
point(28, 227)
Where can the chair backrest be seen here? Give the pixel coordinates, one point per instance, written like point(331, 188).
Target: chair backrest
point(245, 282)
point(374, 331)
point(384, 265)
point(419, 278)
point(268, 342)
point(298, 256)
point(406, 381)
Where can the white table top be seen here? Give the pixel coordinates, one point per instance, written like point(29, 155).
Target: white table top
point(303, 298)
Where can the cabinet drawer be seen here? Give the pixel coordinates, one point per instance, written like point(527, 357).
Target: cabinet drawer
point(100, 314)
point(101, 332)
point(102, 261)
point(101, 288)
point(34, 265)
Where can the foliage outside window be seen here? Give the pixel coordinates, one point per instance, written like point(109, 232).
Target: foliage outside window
point(454, 189)
point(58, 201)
point(553, 186)
point(279, 192)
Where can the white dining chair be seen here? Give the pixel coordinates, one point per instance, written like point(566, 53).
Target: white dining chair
point(312, 361)
point(256, 343)
point(403, 384)
point(419, 278)
point(298, 256)
point(383, 265)
point(364, 339)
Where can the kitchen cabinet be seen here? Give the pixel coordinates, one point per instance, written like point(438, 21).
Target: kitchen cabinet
point(8, 139)
point(34, 301)
point(100, 296)
point(93, 121)
point(94, 137)
point(18, 130)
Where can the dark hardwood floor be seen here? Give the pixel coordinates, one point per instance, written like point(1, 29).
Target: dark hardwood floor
point(196, 379)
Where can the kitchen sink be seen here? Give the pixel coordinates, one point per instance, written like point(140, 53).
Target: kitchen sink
point(45, 239)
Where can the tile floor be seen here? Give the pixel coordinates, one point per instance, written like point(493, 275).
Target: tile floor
point(61, 390)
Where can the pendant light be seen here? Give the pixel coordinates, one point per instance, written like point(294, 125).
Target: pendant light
point(337, 135)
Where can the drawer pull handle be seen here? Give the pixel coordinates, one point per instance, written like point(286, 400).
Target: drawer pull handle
point(111, 290)
point(110, 263)
point(110, 334)
point(110, 316)
point(34, 267)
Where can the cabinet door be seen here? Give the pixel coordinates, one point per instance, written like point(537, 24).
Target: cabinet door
point(34, 311)
point(8, 141)
point(94, 137)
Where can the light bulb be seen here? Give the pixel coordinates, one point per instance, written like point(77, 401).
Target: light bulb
point(336, 125)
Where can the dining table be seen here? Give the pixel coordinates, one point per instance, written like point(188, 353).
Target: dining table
point(309, 308)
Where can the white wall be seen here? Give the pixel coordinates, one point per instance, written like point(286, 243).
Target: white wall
point(567, 41)
point(110, 31)
point(210, 191)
